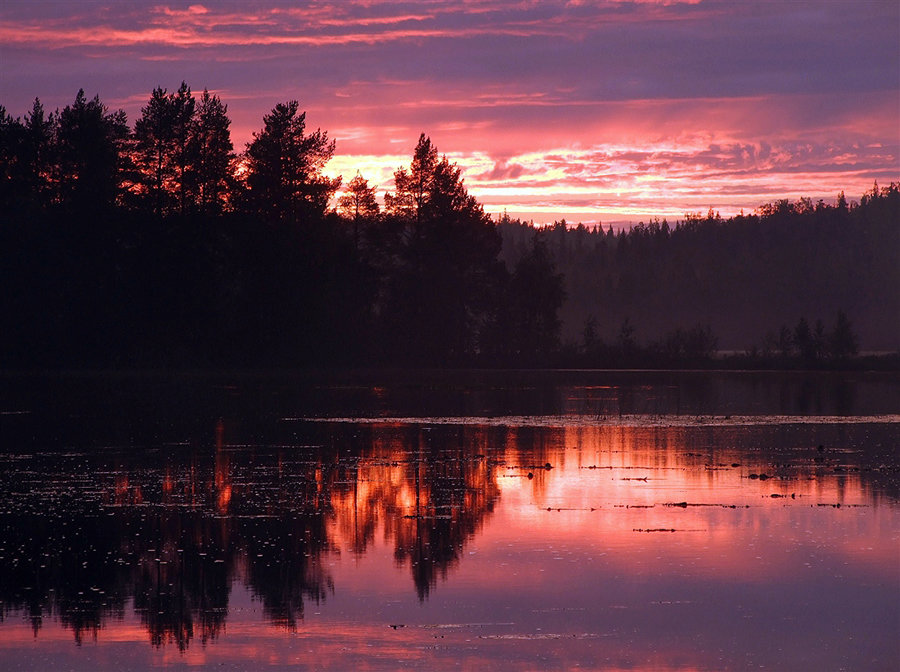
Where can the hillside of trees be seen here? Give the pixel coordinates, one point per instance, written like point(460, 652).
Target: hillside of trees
point(160, 245)
point(747, 280)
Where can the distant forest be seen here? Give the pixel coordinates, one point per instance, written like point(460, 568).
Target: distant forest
point(775, 284)
point(158, 245)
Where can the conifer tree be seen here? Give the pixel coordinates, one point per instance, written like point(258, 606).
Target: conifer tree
point(163, 137)
point(37, 154)
point(89, 141)
point(210, 154)
point(284, 167)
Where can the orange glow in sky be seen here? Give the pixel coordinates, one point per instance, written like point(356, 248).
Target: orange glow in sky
point(608, 111)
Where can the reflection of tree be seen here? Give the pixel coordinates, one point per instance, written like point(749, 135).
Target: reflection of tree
point(817, 393)
point(160, 599)
point(174, 536)
point(454, 494)
point(276, 526)
point(94, 546)
point(79, 539)
point(283, 564)
point(432, 490)
point(58, 562)
point(181, 577)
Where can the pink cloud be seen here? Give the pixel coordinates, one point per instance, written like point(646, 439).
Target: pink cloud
point(588, 107)
point(312, 25)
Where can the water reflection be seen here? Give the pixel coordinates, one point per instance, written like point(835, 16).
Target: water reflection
point(430, 494)
point(81, 538)
point(601, 542)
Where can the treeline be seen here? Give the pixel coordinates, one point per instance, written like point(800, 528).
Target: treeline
point(158, 245)
point(782, 286)
point(802, 347)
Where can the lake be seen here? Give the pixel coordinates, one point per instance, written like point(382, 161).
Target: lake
point(532, 520)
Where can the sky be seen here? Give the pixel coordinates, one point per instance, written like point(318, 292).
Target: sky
point(609, 111)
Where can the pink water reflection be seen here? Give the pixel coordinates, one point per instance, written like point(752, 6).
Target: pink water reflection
point(657, 548)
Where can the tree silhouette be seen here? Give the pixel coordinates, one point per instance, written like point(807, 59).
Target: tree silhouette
point(37, 155)
point(284, 166)
point(441, 293)
point(785, 342)
point(162, 137)
point(210, 154)
point(804, 340)
point(358, 201)
point(626, 341)
point(358, 204)
point(413, 188)
point(95, 274)
point(11, 138)
point(89, 140)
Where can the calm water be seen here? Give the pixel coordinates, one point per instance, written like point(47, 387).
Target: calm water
point(524, 521)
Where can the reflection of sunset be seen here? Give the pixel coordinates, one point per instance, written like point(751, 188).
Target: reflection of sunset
point(632, 490)
point(223, 471)
point(329, 646)
point(425, 505)
point(526, 539)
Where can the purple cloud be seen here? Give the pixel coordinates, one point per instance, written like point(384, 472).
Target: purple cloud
point(695, 89)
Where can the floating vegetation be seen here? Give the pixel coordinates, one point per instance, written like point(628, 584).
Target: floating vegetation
point(684, 505)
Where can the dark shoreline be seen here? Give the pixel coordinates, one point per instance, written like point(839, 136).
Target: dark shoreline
point(886, 363)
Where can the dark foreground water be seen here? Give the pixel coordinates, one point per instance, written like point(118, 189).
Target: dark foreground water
point(523, 521)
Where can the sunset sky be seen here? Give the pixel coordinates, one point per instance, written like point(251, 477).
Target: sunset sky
point(609, 111)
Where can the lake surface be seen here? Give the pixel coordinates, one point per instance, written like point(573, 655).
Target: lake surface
point(463, 520)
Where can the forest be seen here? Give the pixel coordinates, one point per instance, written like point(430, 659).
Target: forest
point(794, 284)
point(160, 245)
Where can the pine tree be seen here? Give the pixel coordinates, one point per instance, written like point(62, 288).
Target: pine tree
point(89, 140)
point(12, 134)
point(163, 154)
point(284, 166)
point(442, 289)
point(37, 154)
point(210, 154)
point(358, 204)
